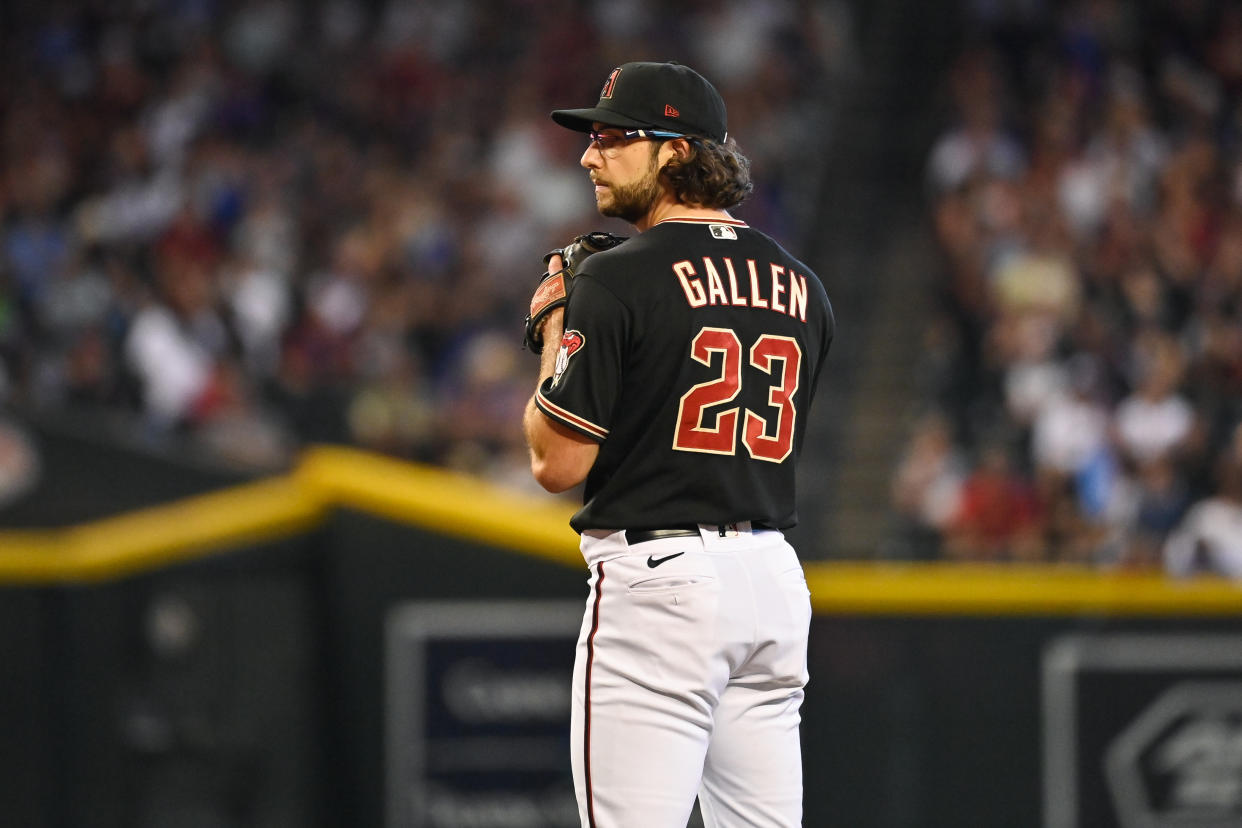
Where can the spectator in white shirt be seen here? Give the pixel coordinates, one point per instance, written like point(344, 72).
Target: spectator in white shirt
point(1209, 538)
point(1156, 420)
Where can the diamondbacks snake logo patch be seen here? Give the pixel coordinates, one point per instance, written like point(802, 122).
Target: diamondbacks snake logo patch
point(571, 343)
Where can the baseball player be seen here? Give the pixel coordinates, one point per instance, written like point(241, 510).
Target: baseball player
point(680, 367)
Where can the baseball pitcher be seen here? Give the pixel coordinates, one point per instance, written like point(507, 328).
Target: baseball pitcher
point(677, 370)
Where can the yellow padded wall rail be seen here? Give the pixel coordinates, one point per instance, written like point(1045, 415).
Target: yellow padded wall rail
point(446, 502)
point(1013, 590)
point(328, 478)
point(158, 536)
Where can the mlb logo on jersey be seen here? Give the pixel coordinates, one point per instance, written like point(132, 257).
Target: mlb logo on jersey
point(722, 231)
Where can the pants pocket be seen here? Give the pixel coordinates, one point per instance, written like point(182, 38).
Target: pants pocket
point(669, 582)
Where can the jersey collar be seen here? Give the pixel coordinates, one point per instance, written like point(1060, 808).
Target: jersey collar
point(701, 220)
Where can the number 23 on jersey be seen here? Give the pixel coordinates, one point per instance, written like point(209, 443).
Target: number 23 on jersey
point(767, 435)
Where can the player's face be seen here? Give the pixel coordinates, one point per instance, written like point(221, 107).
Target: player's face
point(626, 174)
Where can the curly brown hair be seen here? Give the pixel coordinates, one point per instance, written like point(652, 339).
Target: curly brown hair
point(713, 175)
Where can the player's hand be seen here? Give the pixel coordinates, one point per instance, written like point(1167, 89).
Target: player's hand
point(553, 291)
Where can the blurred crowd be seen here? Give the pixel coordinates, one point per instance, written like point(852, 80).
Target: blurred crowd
point(256, 224)
point(1082, 376)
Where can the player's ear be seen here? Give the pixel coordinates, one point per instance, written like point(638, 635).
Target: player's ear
point(681, 148)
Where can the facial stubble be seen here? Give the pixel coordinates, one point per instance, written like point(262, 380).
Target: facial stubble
point(630, 202)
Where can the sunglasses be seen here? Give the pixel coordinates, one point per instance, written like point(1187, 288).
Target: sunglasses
point(609, 142)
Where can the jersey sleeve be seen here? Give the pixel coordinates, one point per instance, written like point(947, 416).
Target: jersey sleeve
point(582, 392)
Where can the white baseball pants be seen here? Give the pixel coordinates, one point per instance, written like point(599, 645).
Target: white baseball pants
point(689, 680)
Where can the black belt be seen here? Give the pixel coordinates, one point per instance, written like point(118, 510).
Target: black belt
point(633, 536)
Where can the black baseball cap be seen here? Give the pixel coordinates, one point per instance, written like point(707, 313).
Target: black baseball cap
point(643, 95)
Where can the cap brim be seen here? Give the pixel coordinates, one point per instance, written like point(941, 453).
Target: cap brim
point(583, 120)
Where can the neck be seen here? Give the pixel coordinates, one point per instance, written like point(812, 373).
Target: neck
point(668, 207)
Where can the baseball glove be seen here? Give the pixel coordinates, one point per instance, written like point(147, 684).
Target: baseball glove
point(553, 290)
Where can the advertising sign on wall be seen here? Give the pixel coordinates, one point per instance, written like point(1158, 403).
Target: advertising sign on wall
point(477, 714)
point(1143, 731)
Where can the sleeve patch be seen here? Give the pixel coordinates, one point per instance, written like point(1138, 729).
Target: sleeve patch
point(571, 343)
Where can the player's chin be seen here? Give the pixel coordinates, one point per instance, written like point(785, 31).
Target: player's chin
point(609, 208)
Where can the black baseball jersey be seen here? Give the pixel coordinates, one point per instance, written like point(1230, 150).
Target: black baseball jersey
point(691, 353)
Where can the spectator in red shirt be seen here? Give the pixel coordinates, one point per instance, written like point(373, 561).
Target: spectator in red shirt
point(1000, 516)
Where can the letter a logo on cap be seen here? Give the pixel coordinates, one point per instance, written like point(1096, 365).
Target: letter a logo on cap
point(606, 92)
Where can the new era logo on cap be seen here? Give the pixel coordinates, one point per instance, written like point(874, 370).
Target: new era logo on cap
point(670, 111)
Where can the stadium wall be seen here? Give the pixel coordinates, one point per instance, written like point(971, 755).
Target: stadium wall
point(358, 642)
